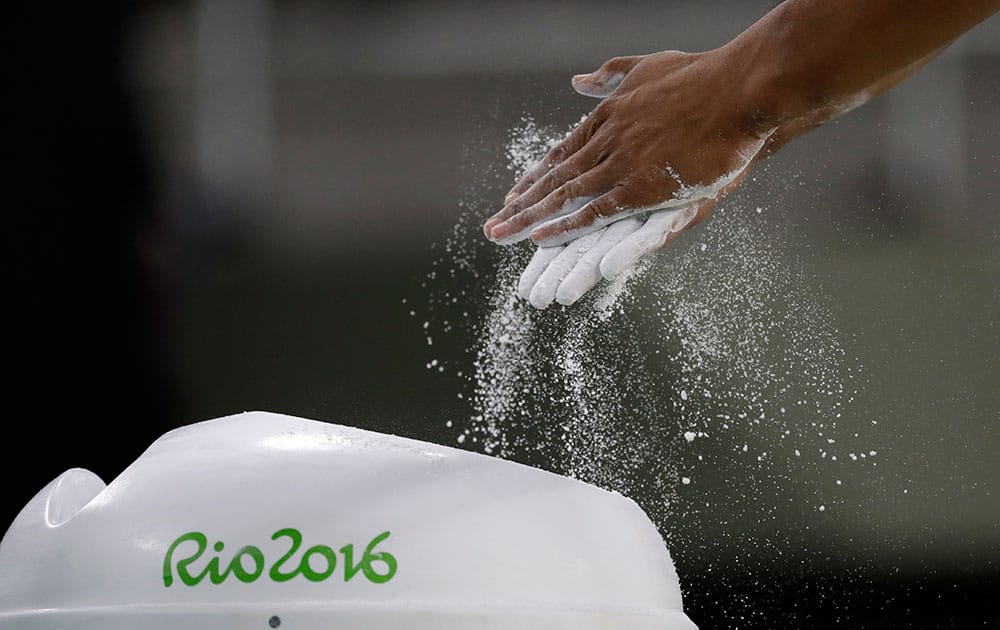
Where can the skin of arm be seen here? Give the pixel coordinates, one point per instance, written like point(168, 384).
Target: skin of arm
point(676, 127)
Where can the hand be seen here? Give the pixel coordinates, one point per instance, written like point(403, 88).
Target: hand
point(673, 131)
point(566, 273)
point(680, 131)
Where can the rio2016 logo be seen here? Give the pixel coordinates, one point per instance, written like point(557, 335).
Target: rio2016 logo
point(316, 564)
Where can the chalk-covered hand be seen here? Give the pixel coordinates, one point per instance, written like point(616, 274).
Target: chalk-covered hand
point(564, 273)
point(679, 131)
point(673, 130)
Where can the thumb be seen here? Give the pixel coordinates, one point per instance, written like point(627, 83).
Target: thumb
point(603, 81)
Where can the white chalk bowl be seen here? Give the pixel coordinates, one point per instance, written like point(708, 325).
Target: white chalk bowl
point(261, 520)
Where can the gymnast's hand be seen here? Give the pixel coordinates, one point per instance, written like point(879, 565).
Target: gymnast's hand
point(666, 135)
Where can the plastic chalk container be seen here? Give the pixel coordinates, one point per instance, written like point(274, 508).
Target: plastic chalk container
point(261, 520)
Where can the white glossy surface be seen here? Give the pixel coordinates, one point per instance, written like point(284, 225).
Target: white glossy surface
point(478, 542)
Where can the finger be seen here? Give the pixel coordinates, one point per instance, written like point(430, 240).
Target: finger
point(520, 233)
point(566, 199)
point(603, 81)
point(542, 258)
point(580, 163)
point(617, 204)
point(543, 293)
point(587, 272)
point(658, 230)
point(556, 156)
point(603, 210)
point(563, 150)
point(515, 201)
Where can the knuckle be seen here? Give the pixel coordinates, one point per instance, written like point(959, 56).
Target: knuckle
point(602, 208)
point(601, 112)
point(567, 171)
point(557, 154)
point(606, 150)
point(594, 214)
point(550, 181)
point(543, 182)
point(569, 190)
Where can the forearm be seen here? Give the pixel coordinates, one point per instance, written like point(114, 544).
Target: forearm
point(811, 59)
point(796, 126)
point(681, 130)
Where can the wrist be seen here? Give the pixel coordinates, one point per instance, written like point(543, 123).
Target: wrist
point(762, 81)
point(779, 78)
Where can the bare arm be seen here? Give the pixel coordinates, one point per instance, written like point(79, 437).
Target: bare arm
point(681, 130)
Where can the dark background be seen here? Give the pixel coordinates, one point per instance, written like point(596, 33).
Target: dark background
point(220, 206)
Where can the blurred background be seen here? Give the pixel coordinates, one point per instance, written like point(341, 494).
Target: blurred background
point(221, 205)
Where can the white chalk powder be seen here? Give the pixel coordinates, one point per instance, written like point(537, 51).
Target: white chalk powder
point(713, 358)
